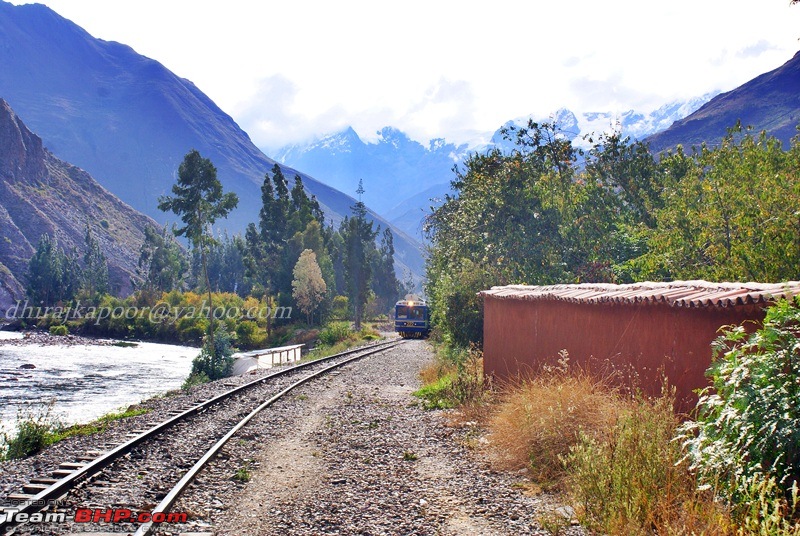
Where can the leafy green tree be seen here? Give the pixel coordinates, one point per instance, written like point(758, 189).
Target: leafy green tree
point(199, 200)
point(308, 286)
point(730, 212)
point(535, 216)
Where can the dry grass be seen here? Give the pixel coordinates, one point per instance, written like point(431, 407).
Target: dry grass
point(537, 421)
point(613, 454)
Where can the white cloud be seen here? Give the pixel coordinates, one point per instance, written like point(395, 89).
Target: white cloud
point(293, 70)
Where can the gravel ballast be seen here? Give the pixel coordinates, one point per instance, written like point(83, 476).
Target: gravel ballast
point(357, 454)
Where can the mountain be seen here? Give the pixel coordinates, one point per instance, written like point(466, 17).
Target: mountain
point(636, 125)
point(403, 178)
point(393, 168)
point(41, 194)
point(769, 102)
point(129, 121)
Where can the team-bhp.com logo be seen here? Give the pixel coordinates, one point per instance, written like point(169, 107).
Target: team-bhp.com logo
point(96, 515)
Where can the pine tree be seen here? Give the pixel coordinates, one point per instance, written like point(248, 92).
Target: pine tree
point(45, 272)
point(94, 282)
point(359, 242)
point(162, 263)
point(385, 283)
point(199, 200)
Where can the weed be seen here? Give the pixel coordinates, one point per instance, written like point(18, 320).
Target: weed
point(409, 456)
point(554, 522)
point(629, 479)
point(242, 474)
point(35, 427)
point(455, 378)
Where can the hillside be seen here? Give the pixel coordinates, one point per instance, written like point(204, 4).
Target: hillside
point(41, 194)
point(769, 102)
point(129, 121)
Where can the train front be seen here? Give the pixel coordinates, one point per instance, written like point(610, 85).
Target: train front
point(412, 319)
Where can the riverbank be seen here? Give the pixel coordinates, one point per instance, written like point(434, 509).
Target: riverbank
point(43, 338)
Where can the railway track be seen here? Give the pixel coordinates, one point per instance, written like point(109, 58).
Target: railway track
point(151, 469)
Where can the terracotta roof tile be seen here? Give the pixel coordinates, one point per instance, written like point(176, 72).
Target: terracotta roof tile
point(675, 293)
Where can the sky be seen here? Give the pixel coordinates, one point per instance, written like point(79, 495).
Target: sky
point(290, 71)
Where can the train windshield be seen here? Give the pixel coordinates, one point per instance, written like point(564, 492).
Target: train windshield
point(404, 311)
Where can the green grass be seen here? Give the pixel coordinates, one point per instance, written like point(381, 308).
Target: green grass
point(436, 395)
point(38, 429)
point(342, 343)
point(94, 427)
point(243, 473)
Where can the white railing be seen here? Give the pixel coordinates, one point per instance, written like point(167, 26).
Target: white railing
point(244, 362)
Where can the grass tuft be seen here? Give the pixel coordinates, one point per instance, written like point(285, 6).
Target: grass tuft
point(538, 421)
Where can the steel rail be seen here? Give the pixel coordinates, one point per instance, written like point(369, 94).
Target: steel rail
point(167, 502)
point(58, 489)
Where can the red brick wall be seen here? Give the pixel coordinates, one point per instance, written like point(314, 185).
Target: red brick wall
point(640, 343)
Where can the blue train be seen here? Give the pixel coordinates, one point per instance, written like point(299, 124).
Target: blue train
point(412, 319)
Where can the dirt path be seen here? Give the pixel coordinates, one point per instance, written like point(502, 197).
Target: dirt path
point(358, 455)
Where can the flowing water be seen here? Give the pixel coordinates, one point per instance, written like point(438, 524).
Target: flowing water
point(84, 382)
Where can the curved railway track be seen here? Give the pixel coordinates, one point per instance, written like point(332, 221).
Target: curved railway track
point(186, 442)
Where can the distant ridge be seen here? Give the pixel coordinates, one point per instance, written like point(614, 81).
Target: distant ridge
point(768, 102)
point(41, 194)
point(129, 121)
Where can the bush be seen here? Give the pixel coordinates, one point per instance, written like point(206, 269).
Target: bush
point(340, 307)
point(60, 330)
point(214, 361)
point(335, 332)
point(629, 479)
point(748, 424)
point(249, 335)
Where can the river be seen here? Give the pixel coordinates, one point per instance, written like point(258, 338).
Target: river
point(85, 381)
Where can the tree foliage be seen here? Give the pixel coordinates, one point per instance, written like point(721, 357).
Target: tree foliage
point(94, 276)
point(730, 212)
point(308, 285)
point(162, 263)
point(549, 213)
point(359, 246)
